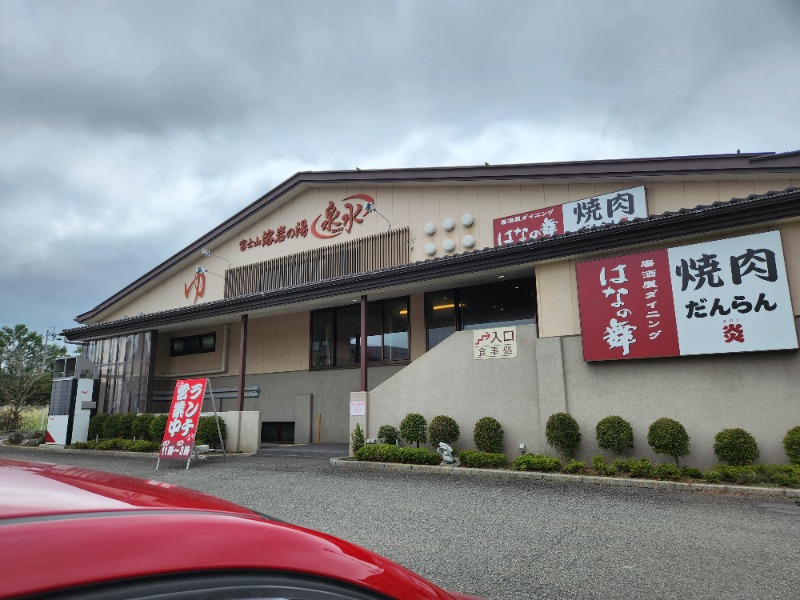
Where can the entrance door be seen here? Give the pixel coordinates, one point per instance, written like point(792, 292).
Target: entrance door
point(277, 432)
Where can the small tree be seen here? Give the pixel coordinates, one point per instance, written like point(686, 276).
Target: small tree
point(563, 433)
point(443, 429)
point(667, 436)
point(735, 447)
point(357, 440)
point(488, 435)
point(413, 429)
point(388, 434)
point(791, 444)
point(614, 433)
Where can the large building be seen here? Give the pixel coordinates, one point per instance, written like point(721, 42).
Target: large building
point(644, 288)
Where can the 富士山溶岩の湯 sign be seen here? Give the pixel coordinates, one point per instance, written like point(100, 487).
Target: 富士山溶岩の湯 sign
point(716, 297)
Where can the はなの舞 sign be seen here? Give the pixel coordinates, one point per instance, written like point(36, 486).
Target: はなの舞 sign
point(723, 296)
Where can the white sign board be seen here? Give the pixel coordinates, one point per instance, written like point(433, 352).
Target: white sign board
point(497, 342)
point(358, 408)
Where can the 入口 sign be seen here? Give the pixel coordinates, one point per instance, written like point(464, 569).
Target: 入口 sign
point(497, 342)
point(715, 297)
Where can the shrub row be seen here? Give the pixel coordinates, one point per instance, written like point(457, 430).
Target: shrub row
point(414, 429)
point(119, 444)
point(482, 460)
point(149, 427)
point(389, 453)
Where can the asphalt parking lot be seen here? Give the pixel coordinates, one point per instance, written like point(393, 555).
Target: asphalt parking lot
point(515, 539)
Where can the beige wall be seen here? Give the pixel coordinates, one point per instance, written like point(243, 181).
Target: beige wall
point(414, 206)
point(756, 391)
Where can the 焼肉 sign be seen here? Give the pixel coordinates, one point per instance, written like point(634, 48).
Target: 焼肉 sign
point(715, 297)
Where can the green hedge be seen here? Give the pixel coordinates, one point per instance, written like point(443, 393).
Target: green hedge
point(536, 462)
point(389, 453)
point(482, 460)
point(118, 444)
point(488, 435)
point(781, 475)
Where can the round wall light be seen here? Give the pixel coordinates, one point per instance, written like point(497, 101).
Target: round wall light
point(429, 228)
point(448, 224)
point(449, 245)
point(468, 241)
point(430, 249)
point(467, 219)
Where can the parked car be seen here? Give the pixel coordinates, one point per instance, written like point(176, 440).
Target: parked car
point(78, 533)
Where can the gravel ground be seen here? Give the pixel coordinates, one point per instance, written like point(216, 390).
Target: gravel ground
point(516, 539)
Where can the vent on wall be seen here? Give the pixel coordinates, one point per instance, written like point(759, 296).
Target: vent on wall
point(381, 251)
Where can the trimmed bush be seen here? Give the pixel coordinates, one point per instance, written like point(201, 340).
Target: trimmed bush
point(668, 472)
point(614, 433)
point(791, 444)
point(563, 434)
point(536, 462)
point(735, 447)
point(112, 427)
point(622, 465)
point(140, 429)
point(388, 434)
point(357, 440)
point(157, 427)
point(691, 473)
point(443, 429)
point(207, 432)
point(782, 475)
point(600, 465)
point(573, 466)
point(482, 460)
point(144, 446)
point(388, 453)
point(96, 424)
point(643, 468)
point(667, 436)
point(413, 429)
point(488, 435)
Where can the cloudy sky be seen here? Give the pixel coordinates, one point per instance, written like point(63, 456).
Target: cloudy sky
point(130, 128)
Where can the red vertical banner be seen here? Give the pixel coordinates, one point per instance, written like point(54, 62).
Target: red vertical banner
point(184, 415)
point(627, 308)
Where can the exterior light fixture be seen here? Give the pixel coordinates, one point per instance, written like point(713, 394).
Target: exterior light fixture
point(449, 245)
point(430, 249)
point(207, 252)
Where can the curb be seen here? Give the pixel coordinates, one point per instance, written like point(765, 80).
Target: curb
point(500, 474)
point(119, 453)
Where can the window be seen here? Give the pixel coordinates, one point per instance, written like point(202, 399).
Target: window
point(336, 335)
point(499, 304)
point(193, 344)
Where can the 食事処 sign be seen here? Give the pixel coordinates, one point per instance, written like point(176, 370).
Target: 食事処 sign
point(715, 297)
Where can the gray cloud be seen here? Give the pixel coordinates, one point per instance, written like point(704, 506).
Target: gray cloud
point(130, 128)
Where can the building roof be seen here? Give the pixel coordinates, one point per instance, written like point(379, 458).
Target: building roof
point(733, 214)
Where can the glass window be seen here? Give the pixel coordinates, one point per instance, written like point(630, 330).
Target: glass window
point(322, 339)
point(387, 334)
point(499, 304)
point(440, 316)
point(193, 344)
point(348, 337)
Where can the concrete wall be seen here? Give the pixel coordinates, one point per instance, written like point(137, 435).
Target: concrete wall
point(758, 391)
point(309, 398)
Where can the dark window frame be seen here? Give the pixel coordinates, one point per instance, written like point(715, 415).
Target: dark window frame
point(458, 294)
point(334, 321)
point(193, 344)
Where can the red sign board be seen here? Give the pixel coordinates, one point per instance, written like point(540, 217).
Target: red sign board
point(626, 307)
point(184, 415)
point(729, 295)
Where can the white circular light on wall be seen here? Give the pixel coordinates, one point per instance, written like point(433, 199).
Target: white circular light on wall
point(448, 224)
point(468, 241)
point(430, 249)
point(449, 245)
point(429, 228)
point(467, 219)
